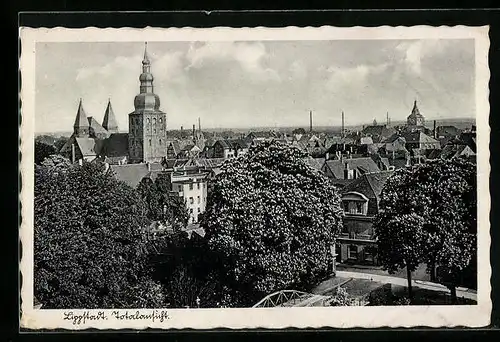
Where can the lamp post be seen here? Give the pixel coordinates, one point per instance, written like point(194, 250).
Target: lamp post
point(198, 301)
point(334, 256)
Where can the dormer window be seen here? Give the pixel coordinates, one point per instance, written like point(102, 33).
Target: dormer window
point(355, 203)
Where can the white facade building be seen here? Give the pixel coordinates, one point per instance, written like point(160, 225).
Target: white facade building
point(193, 188)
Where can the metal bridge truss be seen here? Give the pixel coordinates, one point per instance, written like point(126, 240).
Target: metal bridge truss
point(291, 298)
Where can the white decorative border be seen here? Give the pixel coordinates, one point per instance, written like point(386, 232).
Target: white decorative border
point(273, 318)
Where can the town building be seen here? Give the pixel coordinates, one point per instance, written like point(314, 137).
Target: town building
point(360, 201)
point(147, 123)
point(190, 183)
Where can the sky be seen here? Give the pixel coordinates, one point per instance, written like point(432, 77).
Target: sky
point(247, 84)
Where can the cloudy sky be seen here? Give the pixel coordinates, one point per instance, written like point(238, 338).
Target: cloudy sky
point(256, 84)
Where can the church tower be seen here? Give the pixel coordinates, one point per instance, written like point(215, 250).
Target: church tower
point(81, 127)
point(109, 121)
point(415, 119)
point(147, 123)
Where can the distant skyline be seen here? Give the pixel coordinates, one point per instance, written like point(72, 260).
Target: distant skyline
point(258, 84)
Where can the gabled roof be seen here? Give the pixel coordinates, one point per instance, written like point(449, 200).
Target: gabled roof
point(454, 151)
point(371, 186)
point(378, 132)
point(364, 165)
point(81, 117)
point(96, 127)
point(175, 146)
point(109, 121)
point(131, 174)
point(366, 141)
point(86, 146)
point(226, 144)
point(316, 163)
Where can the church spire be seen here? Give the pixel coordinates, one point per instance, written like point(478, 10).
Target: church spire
point(109, 121)
point(146, 57)
point(146, 77)
point(81, 126)
point(415, 108)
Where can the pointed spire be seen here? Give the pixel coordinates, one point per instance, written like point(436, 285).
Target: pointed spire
point(415, 108)
point(146, 57)
point(81, 126)
point(109, 121)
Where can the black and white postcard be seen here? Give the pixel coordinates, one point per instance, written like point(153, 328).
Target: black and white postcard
point(255, 177)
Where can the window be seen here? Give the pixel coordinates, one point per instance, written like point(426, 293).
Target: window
point(352, 252)
point(160, 141)
point(198, 199)
point(147, 120)
point(149, 142)
point(191, 186)
point(368, 254)
point(199, 210)
point(161, 120)
point(191, 210)
point(359, 208)
point(198, 187)
point(346, 206)
point(191, 200)
point(154, 131)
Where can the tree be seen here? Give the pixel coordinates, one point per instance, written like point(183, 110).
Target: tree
point(162, 205)
point(272, 219)
point(428, 215)
point(89, 249)
point(450, 187)
point(399, 227)
point(187, 269)
point(42, 151)
point(299, 130)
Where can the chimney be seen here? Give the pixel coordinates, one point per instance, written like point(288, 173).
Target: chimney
point(73, 153)
point(182, 129)
point(435, 132)
point(346, 171)
point(343, 127)
point(310, 121)
point(194, 131)
point(199, 125)
point(387, 119)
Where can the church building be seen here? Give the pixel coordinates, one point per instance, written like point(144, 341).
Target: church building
point(145, 141)
point(147, 123)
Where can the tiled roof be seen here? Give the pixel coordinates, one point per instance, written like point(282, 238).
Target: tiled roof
point(364, 165)
point(96, 127)
point(371, 186)
point(316, 163)
point(132, 174)
point(226, 144)
point(86, 146)
point(366, 141)
point(453, 151)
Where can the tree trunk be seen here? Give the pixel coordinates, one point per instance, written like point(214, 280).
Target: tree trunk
point(432, 267)
point(453, 292)
point(410, 290)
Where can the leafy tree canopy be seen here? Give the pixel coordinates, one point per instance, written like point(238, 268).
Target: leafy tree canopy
point(428, 214)
point(273, 219)
point(89, 250)
point(162, 205)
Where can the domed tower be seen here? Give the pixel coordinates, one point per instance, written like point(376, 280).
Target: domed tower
point(415, 119)
point(147, 123)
